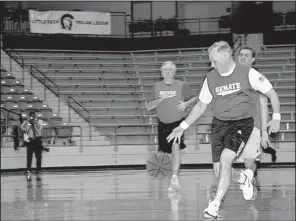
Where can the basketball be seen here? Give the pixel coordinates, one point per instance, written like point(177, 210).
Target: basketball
point(159, 165)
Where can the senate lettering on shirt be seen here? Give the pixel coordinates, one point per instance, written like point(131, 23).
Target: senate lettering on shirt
point(168, 93)
point(228, 89)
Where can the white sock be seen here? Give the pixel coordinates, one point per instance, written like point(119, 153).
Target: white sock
point(174, 177)
point(242, 178)
point(216, 202)
point(250, 171)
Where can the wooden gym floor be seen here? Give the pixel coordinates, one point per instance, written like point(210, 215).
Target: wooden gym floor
point(133, 195)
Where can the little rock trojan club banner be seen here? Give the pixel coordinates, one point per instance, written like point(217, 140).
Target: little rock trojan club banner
point(70, 22)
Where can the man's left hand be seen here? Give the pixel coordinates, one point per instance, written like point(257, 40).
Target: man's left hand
point(274, 126)
point(182, 105)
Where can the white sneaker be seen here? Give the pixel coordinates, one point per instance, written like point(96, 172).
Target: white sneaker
point(211, 194)
point(175, 184)
point(174, 197)
point(212, 211)
point(255, 189)
point(248, 187)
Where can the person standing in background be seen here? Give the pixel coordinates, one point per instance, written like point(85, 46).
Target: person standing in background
point(170, 98)
point(32, 128)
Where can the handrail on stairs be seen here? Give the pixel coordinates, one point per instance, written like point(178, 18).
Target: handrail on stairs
point(237, 44)
point(4, 123)
point(14, 57)
point(45, 137)
point(33, 72)
point(86, 118)
point(65, 126)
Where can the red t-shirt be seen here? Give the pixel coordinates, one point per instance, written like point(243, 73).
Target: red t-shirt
point(167, 111)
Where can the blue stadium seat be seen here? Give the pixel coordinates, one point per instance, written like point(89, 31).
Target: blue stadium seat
point(56, 120)
point(64, 131)
point(47, 131)
point(7, 76)
point(7, 97)
point(23, 105)
point(26, 92)
point(24, 115)
point(46, 115)
point(7, 82)
point(37, 102)
point(30, 107)
point(9, 104)
point(23, 98)
point(12, 91)
point(44, 109)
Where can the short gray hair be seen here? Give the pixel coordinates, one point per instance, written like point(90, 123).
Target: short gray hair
point(220, 46)
point(169, 63)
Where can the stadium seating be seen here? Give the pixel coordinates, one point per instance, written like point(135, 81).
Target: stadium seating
point(16, 98)
point(114, 87)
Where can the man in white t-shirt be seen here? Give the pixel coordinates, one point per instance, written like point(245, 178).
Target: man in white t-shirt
point(259, 136)
point(231, 88)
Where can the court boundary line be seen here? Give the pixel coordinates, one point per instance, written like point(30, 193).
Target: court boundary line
point(143, 167)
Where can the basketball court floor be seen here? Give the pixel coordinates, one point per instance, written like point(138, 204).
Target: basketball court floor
point(134, 195)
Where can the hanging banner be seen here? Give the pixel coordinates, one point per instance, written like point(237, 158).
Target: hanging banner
point(70, 22)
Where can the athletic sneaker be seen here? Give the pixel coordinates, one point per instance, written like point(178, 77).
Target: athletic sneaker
point(212, 211)
point(38, 176)
point(28, 176)
point(255, 189)
point(174, 197)
point(211, 194)
point(247, 186)
point(175, 184)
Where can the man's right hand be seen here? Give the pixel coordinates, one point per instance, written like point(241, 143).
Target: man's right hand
point(163, 96)
point(152, 104)
point(176, 135)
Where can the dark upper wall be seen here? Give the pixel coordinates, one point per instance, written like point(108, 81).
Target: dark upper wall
point(164, 9)
point(66, 42)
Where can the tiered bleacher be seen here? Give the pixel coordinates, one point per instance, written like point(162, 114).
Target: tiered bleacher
point(112, 87)
point(16, 102)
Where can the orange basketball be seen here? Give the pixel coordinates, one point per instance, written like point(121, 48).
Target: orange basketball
point(159, 165)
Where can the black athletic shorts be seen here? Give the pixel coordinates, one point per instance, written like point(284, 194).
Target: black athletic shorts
point(232, 134)
point(164, 131)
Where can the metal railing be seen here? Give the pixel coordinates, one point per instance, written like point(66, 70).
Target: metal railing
point(86, 118)
point(5, 123)
point(45, 137)
point(44, 80)
point(237, 44)
point(16, 22)
point(170, 27)
point(121, 27)
point(15, 55)
point(57, 135)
